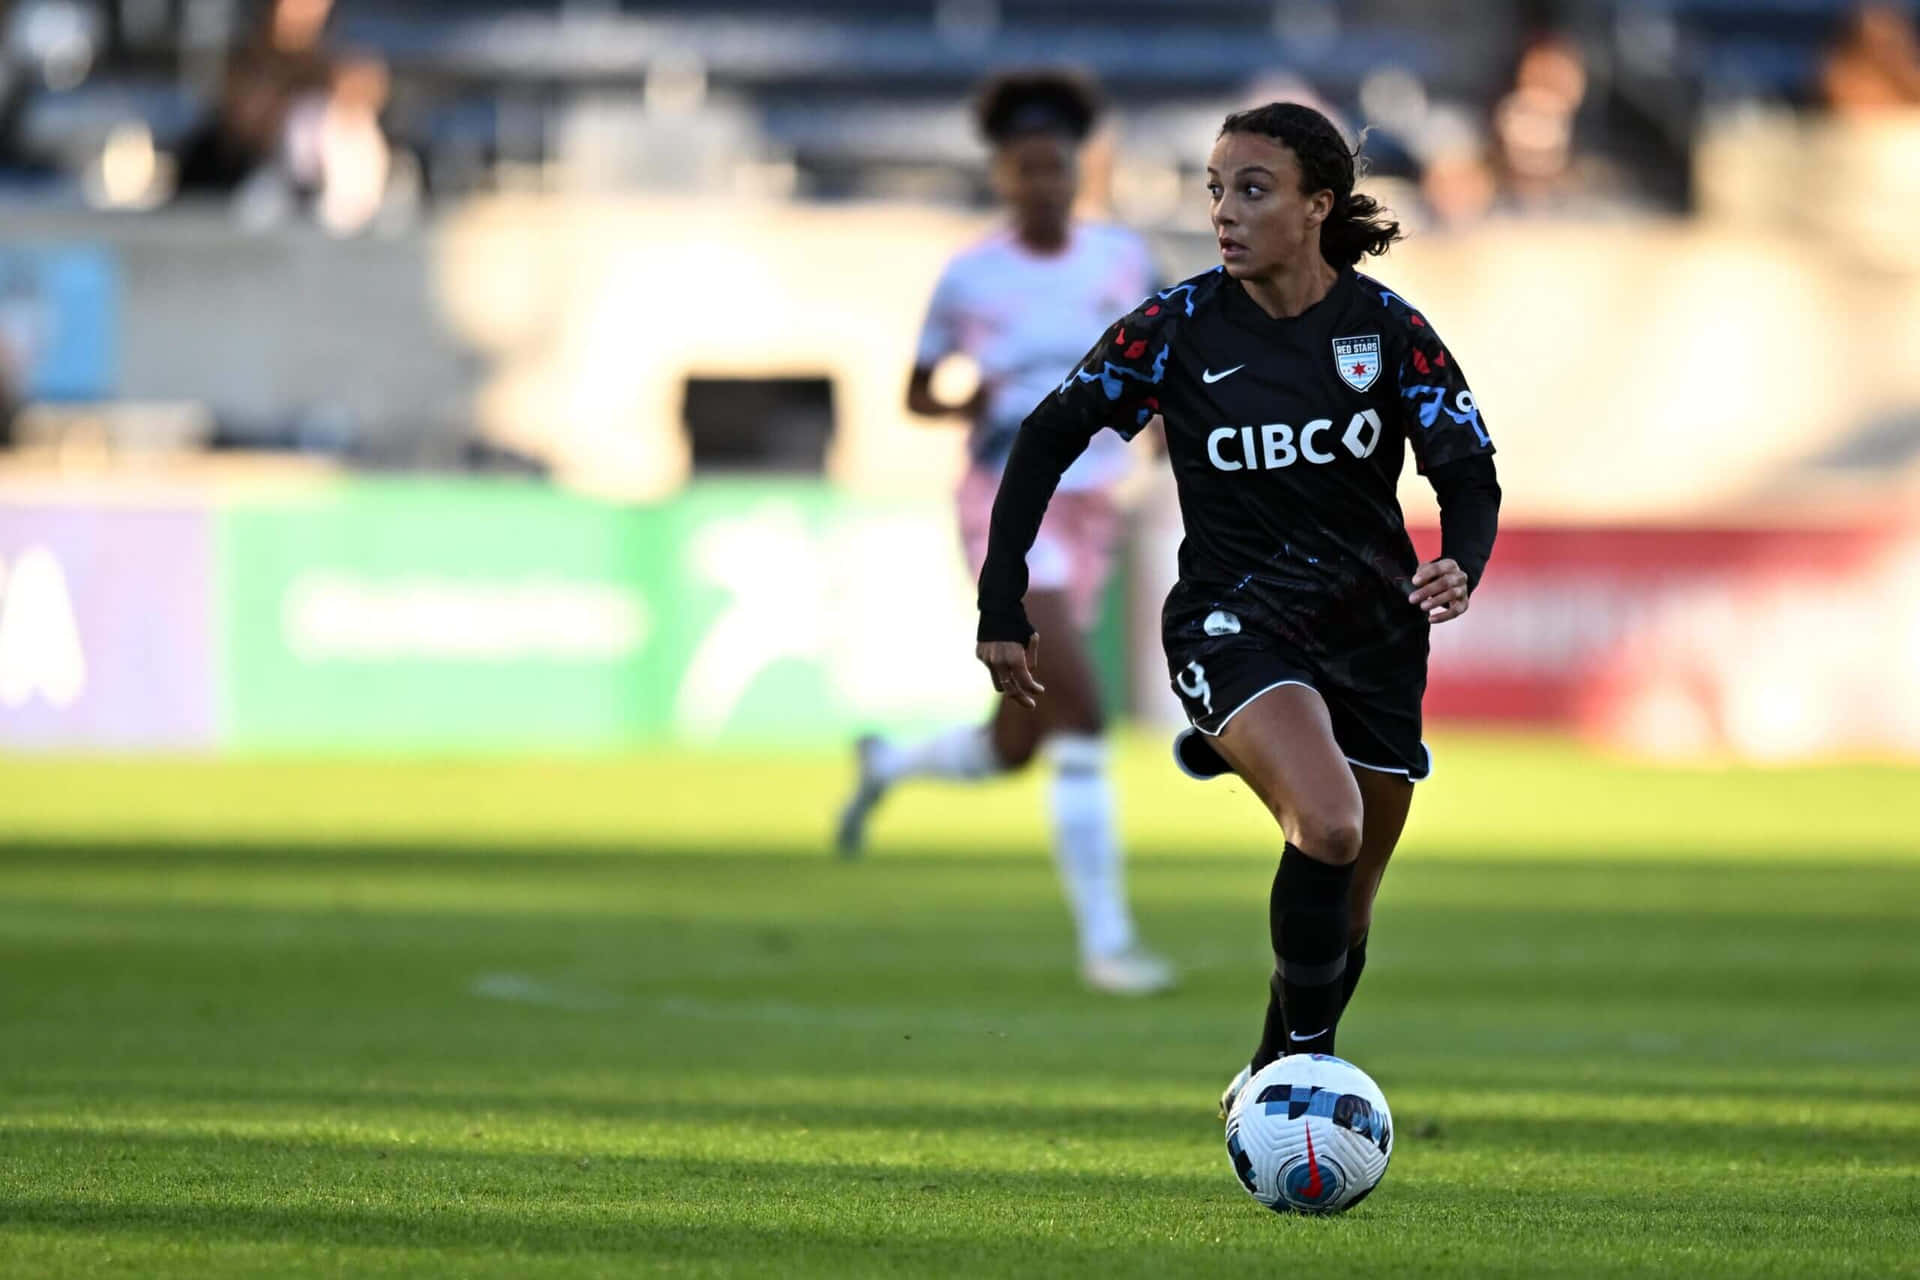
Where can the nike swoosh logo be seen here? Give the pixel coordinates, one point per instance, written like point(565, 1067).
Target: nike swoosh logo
point(1312, 1035)
point(1209, 376)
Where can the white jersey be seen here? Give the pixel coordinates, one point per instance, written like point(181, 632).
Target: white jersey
point(1026, 320)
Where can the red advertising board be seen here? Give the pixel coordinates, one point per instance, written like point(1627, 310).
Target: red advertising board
point(1768, 642)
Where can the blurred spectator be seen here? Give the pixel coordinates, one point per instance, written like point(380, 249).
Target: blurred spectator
point(299, 128)
point(283, 60)
point(338, 154)
point(1456, 180)
point(295, 26)
point(1875, 64)
point(243, 134)
point(1533, 123)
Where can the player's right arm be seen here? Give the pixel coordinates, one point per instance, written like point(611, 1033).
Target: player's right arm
point(922, 401)
point(940, 338)
point(1114, 385)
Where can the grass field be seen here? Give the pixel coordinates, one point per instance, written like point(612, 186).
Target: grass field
point(625, 1017)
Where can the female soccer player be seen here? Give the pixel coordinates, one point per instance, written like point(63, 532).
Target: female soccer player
point(1021, 303)
point(1297, 633)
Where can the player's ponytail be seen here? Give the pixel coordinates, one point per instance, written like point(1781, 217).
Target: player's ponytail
point(1357, 227)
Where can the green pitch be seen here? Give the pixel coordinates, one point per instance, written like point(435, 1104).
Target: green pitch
point(618, 1018)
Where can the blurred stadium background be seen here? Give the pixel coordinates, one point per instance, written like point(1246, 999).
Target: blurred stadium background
point(446, 437)
point(440, 376)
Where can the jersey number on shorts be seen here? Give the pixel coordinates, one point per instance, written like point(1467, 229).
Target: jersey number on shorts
point(1193, 683)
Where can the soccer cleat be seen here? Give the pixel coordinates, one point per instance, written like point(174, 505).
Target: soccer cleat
point(1194, 754)
point(1234, 1086)
point(1134, 971)
point(850, 837)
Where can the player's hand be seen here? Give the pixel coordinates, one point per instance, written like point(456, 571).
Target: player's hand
point(975, 408)
point(1440, 587)
point(1012, 666)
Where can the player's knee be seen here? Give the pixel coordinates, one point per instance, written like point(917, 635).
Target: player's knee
point(1016, 753)
point(1083, 719)
point(1331, 835)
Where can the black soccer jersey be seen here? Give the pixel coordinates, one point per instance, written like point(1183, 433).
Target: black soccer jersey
point(1286, 439)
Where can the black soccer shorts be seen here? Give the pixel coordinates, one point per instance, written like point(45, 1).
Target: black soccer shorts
point(1220, 660)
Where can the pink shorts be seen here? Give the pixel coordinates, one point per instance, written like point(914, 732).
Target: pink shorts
point(1073, 552)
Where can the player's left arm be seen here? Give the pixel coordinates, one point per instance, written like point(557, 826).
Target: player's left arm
point(1455, 453)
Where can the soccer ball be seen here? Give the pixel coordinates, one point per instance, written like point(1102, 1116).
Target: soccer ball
point(1310, 1133)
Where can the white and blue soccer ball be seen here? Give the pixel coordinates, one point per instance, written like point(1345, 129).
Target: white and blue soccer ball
point(1310, 1133)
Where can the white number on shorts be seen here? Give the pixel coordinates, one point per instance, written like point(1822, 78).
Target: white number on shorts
point(1193, 683)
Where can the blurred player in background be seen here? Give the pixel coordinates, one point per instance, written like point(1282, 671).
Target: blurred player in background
point(1297, 634)
point(1020, 303)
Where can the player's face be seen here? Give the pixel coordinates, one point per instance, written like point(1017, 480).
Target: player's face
point(1038, 176)
point(1265, 223)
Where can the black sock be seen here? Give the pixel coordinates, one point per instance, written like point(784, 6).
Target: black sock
point(1308, 916)
point(1273, 1033)
point(1356, 962)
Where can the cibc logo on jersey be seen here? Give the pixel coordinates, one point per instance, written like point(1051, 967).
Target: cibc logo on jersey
point(1273, 445)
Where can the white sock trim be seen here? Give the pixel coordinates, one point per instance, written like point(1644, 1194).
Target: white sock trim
point(1078, 752)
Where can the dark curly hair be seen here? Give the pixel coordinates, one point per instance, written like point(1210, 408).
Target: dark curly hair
point(1358, 225)
point(1044, 100)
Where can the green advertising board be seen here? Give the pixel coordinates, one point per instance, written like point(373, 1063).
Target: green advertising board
point(432, 614)
point(501, 615)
